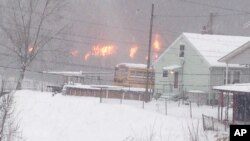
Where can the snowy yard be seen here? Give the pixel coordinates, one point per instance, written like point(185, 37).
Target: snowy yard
point(44, 117)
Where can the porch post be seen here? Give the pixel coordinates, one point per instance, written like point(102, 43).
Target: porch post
point(226, 74)
point(222, 103)
point(234, 110)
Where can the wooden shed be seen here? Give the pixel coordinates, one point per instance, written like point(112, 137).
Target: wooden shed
point(240, 94)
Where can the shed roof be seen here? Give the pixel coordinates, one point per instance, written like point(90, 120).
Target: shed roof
point(107, 87)
point(243, 87)
point(132, 65)
point(76, 73)
point(196, 91)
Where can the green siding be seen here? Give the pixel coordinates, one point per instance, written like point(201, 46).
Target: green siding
point(196, 69)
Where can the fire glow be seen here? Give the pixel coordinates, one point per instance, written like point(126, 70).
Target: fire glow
point(30, 49)
point(133, 51)
point(74, 52)
point(100, 51)
point(157, 45)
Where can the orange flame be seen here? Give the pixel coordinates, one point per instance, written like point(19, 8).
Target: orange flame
point(133, 51)
point(102, 51)
point(30, 49)
point(157, 44)
point(87, 55)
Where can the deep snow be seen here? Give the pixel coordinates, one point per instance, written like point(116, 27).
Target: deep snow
point(44, 117)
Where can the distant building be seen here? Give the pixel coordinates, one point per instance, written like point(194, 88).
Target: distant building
point(70, 77)
point(191, 63)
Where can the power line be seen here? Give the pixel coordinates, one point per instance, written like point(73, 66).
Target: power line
point(80, 36)
point(201, 16)
point(80, 21)
point(215, 6)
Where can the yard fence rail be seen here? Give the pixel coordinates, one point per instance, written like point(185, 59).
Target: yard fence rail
point(211, 123)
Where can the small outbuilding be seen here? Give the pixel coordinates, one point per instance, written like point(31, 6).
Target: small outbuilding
point(240, 94)
point(197, 96)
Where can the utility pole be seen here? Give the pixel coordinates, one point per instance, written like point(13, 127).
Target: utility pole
point(146, 96)
point(208, 29)
point(211, 22)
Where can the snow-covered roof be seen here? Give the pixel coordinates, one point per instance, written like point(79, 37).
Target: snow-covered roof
point(107, 87)
point(71, 73)
point(196, 91)
point(171, 67)
point(132, 65)
point(234, 53)
point(213, 47)
point(243, 87)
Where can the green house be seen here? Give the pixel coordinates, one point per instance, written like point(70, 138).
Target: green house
point(190, 65)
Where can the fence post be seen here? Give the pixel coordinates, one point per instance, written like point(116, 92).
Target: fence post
point(213, 123)
point(101, 95)
point(190, 109)
point(166, 106)
point(203, 121)
point(122, 97)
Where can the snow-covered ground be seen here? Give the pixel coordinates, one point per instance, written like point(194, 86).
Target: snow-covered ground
point(44, 117)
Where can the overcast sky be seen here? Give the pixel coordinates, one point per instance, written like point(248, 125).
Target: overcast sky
point(124, 23)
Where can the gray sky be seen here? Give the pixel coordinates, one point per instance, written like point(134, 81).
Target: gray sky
point(126, 22)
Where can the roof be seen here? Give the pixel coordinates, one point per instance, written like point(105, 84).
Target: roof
point(77, 73)
point(107, 87)
point(213, 47)
point(132, 65)
point(196, 91)
point(243, 87)
point(235, 52)
point(171, 67)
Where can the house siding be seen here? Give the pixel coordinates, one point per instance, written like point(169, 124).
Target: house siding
point(194, 74)
point(217, 77)
point(243, 57)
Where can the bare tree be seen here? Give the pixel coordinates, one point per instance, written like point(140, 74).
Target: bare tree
point(29, 26)
point(9, 128)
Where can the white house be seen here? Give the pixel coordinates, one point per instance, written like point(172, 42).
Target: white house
point(191, 63)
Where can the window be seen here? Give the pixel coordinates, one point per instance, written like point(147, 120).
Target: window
point(236, 77)
point(165, 73)
point(233, 77)
point(182, 48)
point(175, 79)
point(132, 73)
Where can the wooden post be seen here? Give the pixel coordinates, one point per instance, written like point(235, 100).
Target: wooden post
point(234, 106)
point(203, 121)
point(190, 105)
point(222, 103)
point(198, 99)
point(122, 97)
point(101, 95)
point(245, 108)
point(227, 106)
point(218, 111)
point(107, 93)
point(166, 106)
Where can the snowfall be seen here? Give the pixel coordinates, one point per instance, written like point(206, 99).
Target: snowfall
point(44, 117)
